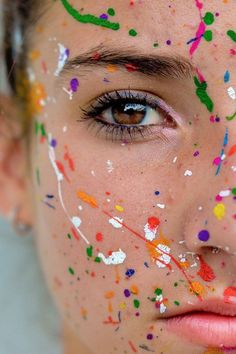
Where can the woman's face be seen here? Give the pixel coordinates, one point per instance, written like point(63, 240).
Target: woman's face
point(134, 165)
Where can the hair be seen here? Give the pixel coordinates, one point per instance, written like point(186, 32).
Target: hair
point(18, 21)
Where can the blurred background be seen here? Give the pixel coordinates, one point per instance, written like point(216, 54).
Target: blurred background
point(29, 323)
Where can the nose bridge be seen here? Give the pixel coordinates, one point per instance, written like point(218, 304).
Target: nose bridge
point(211, 219)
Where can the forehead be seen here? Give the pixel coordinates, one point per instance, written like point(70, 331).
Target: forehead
point(149, 25)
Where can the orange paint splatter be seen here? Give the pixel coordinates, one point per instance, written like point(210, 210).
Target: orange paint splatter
point(232, 150)
point(87, 199)
point(109, 294)
point(205, 272)
point(134, 350)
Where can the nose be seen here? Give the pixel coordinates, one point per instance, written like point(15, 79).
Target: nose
point(210, 216)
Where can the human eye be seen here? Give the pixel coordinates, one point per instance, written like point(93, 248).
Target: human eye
point(125, 115)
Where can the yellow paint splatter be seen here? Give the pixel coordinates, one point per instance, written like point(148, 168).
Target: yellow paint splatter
point(87, 199)
point(197, 288)
point(122, 305)
point(219, 211)
point(119, 208)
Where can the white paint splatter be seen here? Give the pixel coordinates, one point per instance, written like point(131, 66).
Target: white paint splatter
point(150, 233)
point(116, 222)
point(63, 56)
point(76, 221)
point(60, 177)
point(188, 173)
point(225, 193)
point(161, 206)
point(164, 258)
point(110, 167)
point(175, 159)
point(116, 257)
point(162, 308)
point(69, 92)
point(233, 168)
point(231, 93)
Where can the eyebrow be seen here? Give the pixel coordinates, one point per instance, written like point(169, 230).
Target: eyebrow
point(162, 66)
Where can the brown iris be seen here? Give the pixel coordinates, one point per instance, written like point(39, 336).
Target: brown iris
point(128, 113)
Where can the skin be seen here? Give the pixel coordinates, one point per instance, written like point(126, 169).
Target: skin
point(95, 291)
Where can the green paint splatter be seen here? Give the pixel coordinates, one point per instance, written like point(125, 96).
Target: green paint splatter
point(202, 94)
point(208, 36)
point(234, 191)
point(158, 291)
point(231, 117)
point(208, 18)
point(136, 303)
point(111, 11)
point(132, 32)
point(155, 45)
point(177, 303)
point(71, 271)
point(69, 236)
point(175, 284)
point(90, 251)
point(232, 35)
point(87, 18)
point(97, 259)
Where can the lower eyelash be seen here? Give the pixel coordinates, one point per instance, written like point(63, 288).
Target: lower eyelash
point(118, 132)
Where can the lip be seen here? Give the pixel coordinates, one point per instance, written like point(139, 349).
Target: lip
point(210, 323)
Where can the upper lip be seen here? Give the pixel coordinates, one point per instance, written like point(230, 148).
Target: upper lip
point(214, 305)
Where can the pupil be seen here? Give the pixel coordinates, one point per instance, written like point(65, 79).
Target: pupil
point(128, 113)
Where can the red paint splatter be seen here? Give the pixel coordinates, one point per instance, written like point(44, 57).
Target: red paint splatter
point(75, 234)
point(96, 56)
point(111, 321)
point(69, 159)
point(205, 272)
point(99, 237)
point(62, 170)
point(232, 51)
point(134, 350)
point(230, 295)
point(131, 67)
point(153, 222)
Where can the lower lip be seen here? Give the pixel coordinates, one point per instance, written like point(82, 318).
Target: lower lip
point(206, 329)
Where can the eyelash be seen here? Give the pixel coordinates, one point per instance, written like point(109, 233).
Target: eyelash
point(118, 131)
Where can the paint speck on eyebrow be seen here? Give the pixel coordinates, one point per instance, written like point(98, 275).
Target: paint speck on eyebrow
point(116, 222)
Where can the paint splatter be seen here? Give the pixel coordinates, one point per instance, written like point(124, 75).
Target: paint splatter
point(88, 18)
point(219, 211)
point(116, 222)
point(203, 235)
point(151, 228)
point(230, 295)
point(202, 94)
point(232, 35)
point(63, 57)
point(205, 271)
point(117, 257)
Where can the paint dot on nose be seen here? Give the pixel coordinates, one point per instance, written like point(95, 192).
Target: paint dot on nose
point(204, 235)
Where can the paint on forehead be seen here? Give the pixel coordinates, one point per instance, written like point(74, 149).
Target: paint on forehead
point(88, 18)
